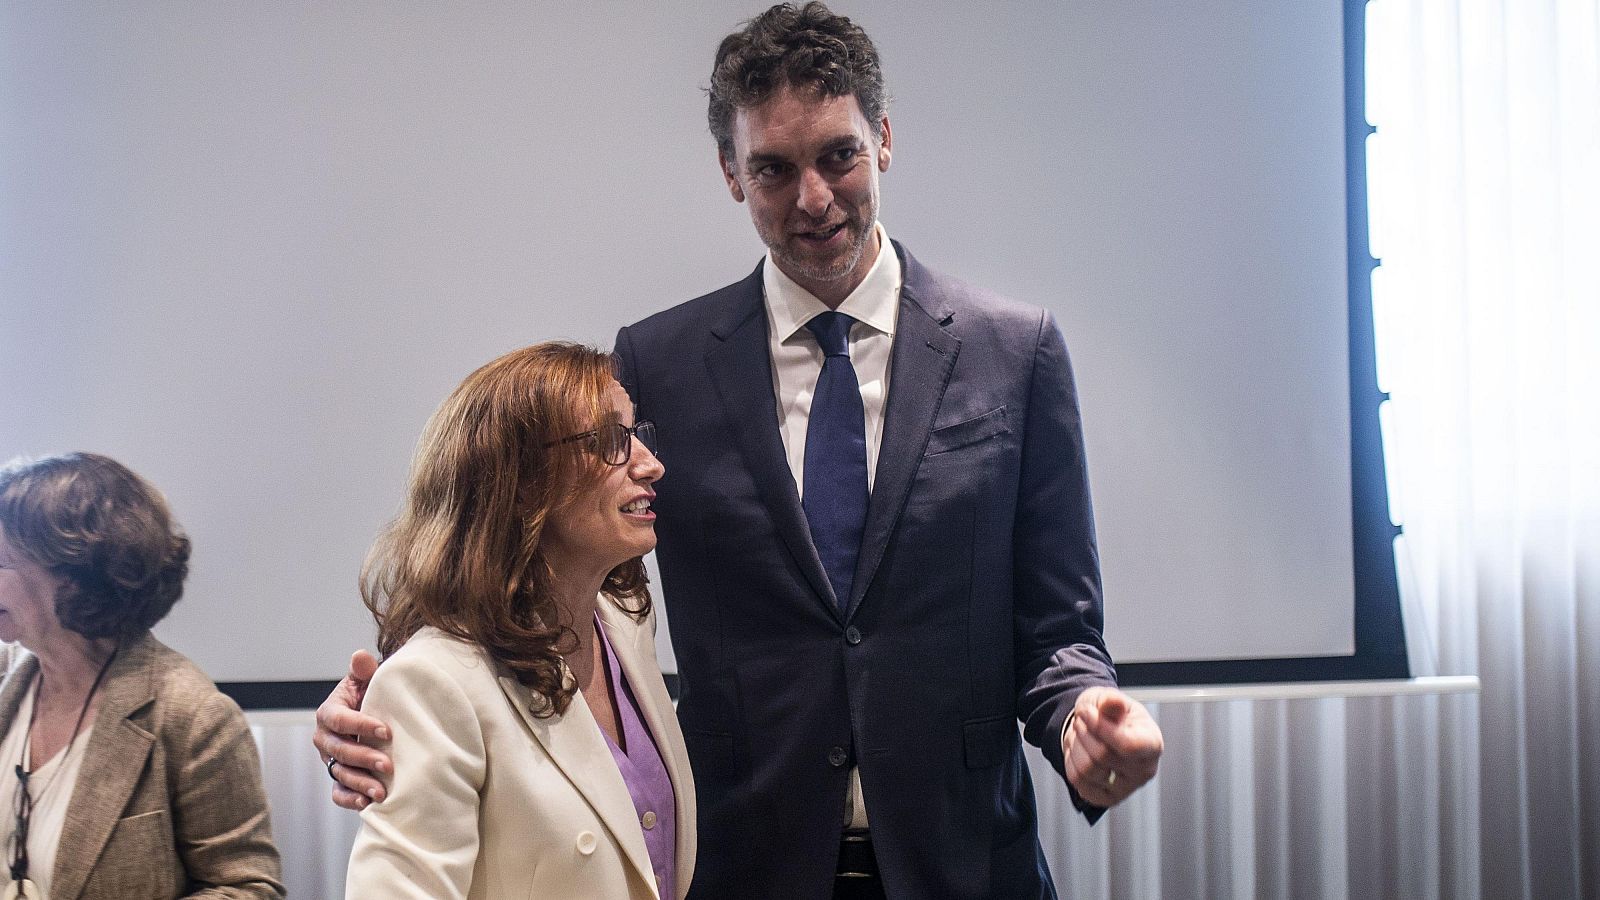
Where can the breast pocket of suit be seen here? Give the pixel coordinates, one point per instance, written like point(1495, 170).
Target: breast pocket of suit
point(959, 485)
point(968, 434)
point(964, 468)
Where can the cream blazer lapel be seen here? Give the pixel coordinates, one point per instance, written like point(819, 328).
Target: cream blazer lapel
point(112, 764)
point(575, 744)
point(634, 644)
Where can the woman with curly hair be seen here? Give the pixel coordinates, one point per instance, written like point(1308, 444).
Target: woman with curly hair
point(535, 750)
point(129, 774)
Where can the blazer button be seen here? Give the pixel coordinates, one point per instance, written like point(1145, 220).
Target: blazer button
point(837, 757)
point(852, 636)
point(586, 842)
point(648, 820)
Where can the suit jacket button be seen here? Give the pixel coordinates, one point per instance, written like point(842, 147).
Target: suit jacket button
point(852, 636)
point(586, 842)
point(648, 820)
point(837, 757)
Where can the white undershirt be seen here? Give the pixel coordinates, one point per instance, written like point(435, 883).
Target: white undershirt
point(797, 363)
point(51, 787)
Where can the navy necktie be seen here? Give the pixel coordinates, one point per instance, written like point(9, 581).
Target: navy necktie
point(835, 498)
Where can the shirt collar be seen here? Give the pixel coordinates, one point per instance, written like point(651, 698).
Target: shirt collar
point(874, 302)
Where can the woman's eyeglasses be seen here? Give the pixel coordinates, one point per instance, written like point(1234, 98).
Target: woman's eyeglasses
point(613, 442)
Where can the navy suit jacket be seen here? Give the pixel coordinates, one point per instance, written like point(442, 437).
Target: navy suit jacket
point(976, 599)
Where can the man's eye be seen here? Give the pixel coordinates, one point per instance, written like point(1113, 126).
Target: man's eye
point(842, 158)
point(770, 172)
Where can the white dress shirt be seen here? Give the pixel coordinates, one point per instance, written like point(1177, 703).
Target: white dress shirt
point(797, 363)
point(797, 360)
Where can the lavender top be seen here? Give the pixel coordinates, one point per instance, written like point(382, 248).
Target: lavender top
point(646, 776)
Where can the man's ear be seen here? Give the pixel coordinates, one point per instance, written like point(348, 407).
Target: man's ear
point(734, 187)
point(884, 146)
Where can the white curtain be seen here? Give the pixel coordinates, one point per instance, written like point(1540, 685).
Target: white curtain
point(314, 837)
point(1485, 209)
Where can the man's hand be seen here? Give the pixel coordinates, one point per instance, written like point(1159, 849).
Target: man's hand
point(1112, 746)
point(346, 736)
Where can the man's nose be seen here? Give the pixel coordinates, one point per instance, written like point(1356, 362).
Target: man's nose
point(816, 195)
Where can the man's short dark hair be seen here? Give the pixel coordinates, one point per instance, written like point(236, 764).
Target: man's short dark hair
point(789, 46)
point(104, 533)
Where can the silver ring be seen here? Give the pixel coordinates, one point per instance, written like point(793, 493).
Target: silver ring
point(1111, 779)
point(331, 761)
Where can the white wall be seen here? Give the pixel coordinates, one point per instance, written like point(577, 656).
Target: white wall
point(247, 247)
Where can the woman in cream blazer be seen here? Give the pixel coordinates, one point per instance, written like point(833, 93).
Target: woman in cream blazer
point(520, 680)
point(487, 794)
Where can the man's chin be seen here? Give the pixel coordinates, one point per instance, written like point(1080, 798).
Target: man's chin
point(801, 270)
point(804, 267)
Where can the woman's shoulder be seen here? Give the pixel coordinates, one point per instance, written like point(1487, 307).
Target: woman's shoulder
point(440, 648)
point(173, 673)
point(186, 700)
point(432, 655)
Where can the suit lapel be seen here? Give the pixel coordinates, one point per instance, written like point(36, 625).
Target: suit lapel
point(113, 762)
point(655, 706)
point(923, 358)
point(741, 368)
point(574, 742)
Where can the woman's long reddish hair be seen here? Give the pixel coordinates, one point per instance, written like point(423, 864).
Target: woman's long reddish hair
point(465, 553)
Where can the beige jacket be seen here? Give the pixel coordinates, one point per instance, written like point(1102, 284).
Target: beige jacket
point(169, 801)
point(488, 801)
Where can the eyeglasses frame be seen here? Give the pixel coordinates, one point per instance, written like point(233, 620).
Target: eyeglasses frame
point(627, 453)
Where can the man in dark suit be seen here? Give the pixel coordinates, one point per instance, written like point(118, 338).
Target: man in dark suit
point(876, 543)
